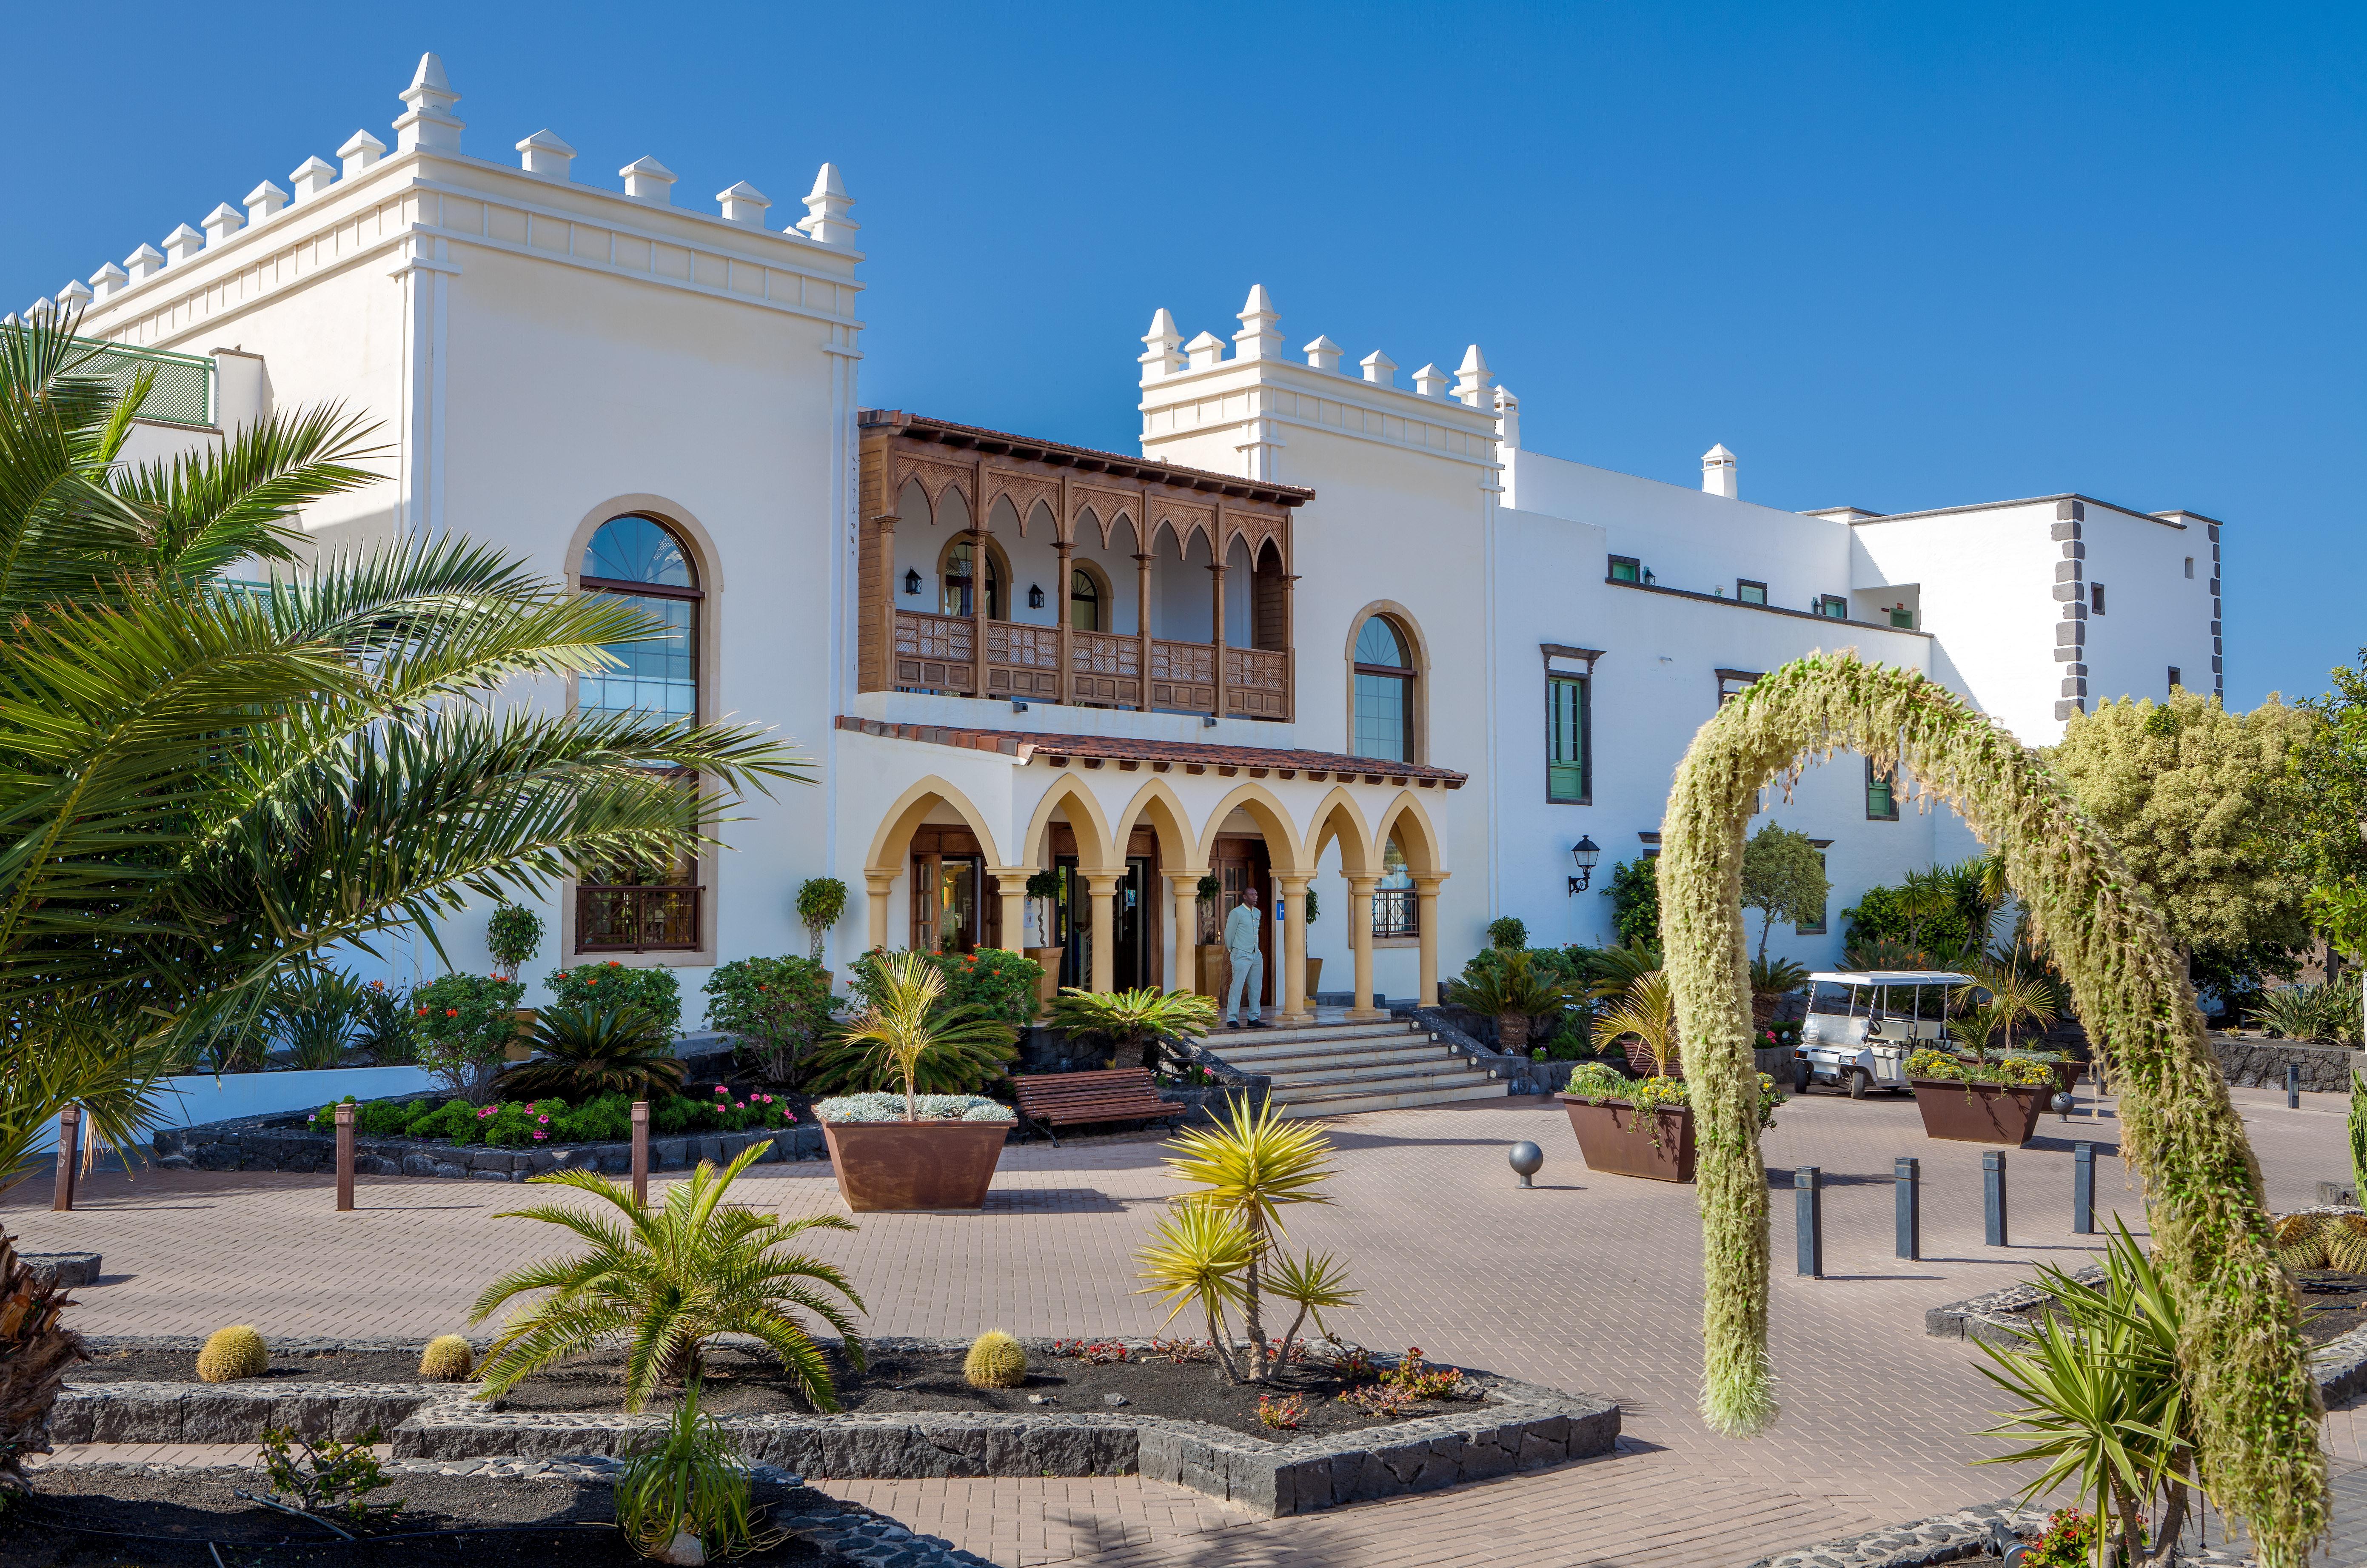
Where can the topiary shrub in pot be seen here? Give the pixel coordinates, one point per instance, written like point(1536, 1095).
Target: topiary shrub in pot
point(820, 902)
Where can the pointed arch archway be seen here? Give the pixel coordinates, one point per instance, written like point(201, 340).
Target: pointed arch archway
point(2246, 1364)
point(1157, 806)
point(1405, 822)
point(891, 853)
point(1234, 857)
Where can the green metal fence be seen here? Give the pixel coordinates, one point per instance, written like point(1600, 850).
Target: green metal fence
point(183, 391)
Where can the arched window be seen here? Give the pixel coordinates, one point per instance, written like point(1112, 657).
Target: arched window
point(1385, 676)
point(1085, 612)
point(637, 904)
point(645, 562)
point(960, 582)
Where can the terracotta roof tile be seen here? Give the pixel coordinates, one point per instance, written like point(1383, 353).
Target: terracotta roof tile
point(1192, 756)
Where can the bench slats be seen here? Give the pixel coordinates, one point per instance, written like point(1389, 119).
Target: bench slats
point(1110, 1094)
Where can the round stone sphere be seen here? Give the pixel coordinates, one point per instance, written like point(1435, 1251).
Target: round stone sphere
point(1526, 1159)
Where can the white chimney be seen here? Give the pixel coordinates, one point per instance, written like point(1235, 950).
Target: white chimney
point(264, 201)
point(145, 263)
point(111, 281)
point(544, 153)
point(360, 151)
point(1259, 337)
point(1472, 377)
point(1430, 381)
point(223, 223)
point(1379, 369)
point(312, 177)
point(1207, 351)
point(1323, 355)
point(1162, 351)
point(1508, 418)
point(649, 180)
point(428, 122)
point(743, 203)
point(826, 222)
point(181, 244)
point(1718, 472)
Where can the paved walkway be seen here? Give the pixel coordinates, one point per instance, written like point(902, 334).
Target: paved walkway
point(1586, 1282)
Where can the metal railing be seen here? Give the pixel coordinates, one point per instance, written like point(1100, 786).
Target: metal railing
point(181, 389)
point(610, 918)
point(1397, 911)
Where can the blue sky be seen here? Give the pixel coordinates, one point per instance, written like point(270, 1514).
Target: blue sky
point(1894, 256)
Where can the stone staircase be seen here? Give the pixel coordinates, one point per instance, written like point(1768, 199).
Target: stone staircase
point(1329, 1069)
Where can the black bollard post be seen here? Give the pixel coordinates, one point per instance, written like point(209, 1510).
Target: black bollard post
point(1993, 1193)
point(1907, 1178)
point(1808, 1200)
point(2293, 1086)
point(2083, 1189)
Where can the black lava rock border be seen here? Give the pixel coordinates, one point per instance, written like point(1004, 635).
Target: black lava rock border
point(1513, 1427)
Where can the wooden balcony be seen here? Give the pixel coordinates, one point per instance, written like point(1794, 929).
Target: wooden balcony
point(940, 653)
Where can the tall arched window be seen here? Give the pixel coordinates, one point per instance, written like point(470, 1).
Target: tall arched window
point(1385, 676)
point(960, 582)
point(636, 905)
point(1085, 611)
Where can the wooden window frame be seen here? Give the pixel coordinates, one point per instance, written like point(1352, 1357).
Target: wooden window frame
point(1741, 597)
point(1889, 786)
point(1635, 565)
point(1563, 662)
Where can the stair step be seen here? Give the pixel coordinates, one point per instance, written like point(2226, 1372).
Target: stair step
point(1295, 1059)
point(1288, 1086)
point(1278, 1035)
point(1348, 1104)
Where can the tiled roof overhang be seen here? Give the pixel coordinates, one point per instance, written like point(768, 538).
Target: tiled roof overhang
point(1162, 756)
point(917, 427)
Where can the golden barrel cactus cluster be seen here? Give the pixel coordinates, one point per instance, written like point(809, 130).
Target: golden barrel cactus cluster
point(995, 1361)
point(232, 1353)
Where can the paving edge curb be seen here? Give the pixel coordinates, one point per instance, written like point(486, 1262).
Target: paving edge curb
point(1951, 1537)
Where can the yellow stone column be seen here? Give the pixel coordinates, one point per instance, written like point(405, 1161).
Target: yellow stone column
point(1360, 933)
point(1101, 889)
point(1011, 887)
point(1184, 929)
point(882, 884)
point(1294, 951)
point(1426, 917)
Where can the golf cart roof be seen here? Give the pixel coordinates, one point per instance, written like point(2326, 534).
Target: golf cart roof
point(1892, 977)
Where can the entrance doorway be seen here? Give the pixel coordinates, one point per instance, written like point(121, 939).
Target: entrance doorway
point(1237, 864)
point(951, 911)
point(1132, 907)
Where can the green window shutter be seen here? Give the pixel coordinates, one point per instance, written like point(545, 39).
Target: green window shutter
point(1565, 738)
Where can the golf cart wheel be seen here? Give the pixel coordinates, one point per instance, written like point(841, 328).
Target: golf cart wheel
point(1860, 1082)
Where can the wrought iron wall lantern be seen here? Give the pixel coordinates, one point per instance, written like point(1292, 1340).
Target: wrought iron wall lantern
point(1586, 852)
point(913, 583)
point(1035, 595)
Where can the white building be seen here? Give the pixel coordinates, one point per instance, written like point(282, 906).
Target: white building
point(1323, 631)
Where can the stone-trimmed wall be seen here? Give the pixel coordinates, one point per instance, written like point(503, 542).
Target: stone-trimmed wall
point(2260, 1064)
point(254, 1143)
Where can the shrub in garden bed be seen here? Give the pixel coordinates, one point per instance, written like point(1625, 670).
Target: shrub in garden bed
point(464, 1027)
point(606, 1118)
point(655, 991)
point(780, 1008)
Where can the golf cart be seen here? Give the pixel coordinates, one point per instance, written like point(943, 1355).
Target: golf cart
point(1862, 1026)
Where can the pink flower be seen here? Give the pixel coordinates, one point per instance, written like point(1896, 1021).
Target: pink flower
point(544, 1120)
point(542, 1134)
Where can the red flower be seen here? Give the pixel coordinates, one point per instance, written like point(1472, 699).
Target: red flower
point(451, 1012)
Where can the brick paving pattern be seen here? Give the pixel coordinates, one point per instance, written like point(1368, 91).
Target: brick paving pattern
point(1588, 1282)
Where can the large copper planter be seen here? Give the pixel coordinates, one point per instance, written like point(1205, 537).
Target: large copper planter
point(1617, 1142)
point(914, 1165)
point(1981, 1112)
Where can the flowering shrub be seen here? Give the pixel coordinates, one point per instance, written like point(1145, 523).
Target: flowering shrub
point(2069, 1541)
point(1929, 1064)
point(612, 984)
point(463, 1026)
point(778, 1008)
point(1420, 1379)
point(1355, 1365)
point(1001, 986)
point(1286, 1413)
point(1099, 1352)
point(877, 1106)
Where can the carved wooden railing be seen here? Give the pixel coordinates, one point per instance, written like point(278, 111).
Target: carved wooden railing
point(1257, 684)
point(1184, 675)
point(1105, 670)
point(934, 652)
point(1023, 661)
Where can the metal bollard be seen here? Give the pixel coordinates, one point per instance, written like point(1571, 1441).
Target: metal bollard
point(1808, 1200)
point(69, 1157)
point(1907, 1183)
point(1800, 1075)
point(345, 1159)
point(2293, 1086)
point(1993, 1194)
point(2083, 1189)
point(641, 1154)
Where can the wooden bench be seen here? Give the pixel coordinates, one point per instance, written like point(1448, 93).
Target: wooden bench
point(1065, 1100)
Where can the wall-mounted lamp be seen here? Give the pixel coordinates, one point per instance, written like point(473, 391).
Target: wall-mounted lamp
point(1585, 852)
point(913, 583)
point(1035, 595)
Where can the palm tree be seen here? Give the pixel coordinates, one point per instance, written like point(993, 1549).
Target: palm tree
point(1648, 1012)
point(667, 1281)
point(909, 1034)
point(204, 783)
point(2014, 998)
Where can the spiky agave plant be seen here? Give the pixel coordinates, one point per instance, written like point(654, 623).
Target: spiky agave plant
point(1250, 1166)
point(2239, 1339)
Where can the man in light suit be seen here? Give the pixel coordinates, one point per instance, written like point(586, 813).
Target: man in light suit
point(1242, 928)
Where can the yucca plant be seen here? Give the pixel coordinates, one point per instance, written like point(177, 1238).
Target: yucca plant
point(2103, 1402)
point(590, 1051)
point(664, 1281)
point(1199, 1254)
point(36, 1351)
point(1647, 1014)
point(911, 1039)
point(1512, 991)
point(2326, 1012)
point(1149, 1021)
point(689, 1499)
point(1310, 1281)
point(1250, 1167)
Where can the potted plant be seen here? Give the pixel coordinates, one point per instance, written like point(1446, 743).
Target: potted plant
point(1644, 1017)
point(1979, 1101)
point(1314, 964)
point(946, 1159)
point(1044, 889)
point(820, 902)
point(1643, 1128)
point(1213, 965)
point(513, 936)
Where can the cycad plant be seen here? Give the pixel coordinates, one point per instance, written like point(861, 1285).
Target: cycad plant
point(666, 1281)
point(1512, 991)
point(1150, 1022)
point(911, 1039)
point(589, 1051)
point(2102, 1401)
point(1250, 1167)
point(1645, 1013)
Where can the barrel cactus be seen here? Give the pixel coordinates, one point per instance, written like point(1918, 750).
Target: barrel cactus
point(2298, 1242)
point(2344, 1237)
point(232, 1353)
point(995, 1361)
point(447, 1358)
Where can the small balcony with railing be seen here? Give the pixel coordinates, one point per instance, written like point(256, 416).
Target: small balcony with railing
point(997, 567)
point(180, 386)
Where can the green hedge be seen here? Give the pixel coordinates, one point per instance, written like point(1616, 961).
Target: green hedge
point(513, 1123)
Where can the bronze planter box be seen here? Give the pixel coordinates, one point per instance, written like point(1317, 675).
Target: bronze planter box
point(914, 1165)
point(1959, 1112)
point(1615, 1141)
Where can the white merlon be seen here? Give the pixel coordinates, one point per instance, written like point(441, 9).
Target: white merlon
point(360, 151)
point(75, 295)
point(1206, 351)
point(223, 223)
point(649, 180)
point(313, 176)
point(1471, 377)
point(743, 203)
point(1508, 418)
point(1162, 353)
point(145, 263)
point(264, 201)
point(181, 244)
point(1259, 337)
point(1323, 354)
point(1430, 381)
point(1379, 369)
point(428, 123)
point(544, 153)
point(826, 222)
point(1718, 472)
point(111, 281)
